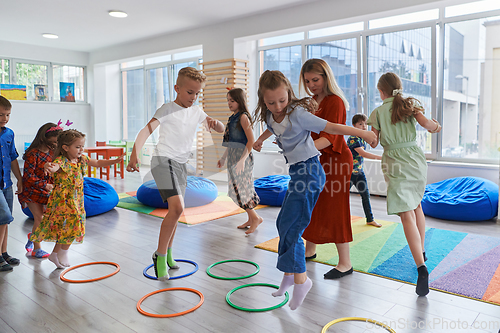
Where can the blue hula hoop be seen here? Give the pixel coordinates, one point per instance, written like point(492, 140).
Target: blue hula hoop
point(145, 271)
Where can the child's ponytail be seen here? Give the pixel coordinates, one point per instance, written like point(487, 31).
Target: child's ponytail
point(402, 108)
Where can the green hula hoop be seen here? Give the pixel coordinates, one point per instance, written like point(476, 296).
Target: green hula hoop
point(233, 278)
point(256, 310)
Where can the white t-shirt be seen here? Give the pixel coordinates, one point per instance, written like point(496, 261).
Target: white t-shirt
point(280, 128)
point(177, 130)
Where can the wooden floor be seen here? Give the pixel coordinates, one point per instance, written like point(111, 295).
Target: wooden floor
point(34, 299)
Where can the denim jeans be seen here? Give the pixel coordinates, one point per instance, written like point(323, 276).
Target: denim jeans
point(6, 201)
point(359, 181)
point(306, 183)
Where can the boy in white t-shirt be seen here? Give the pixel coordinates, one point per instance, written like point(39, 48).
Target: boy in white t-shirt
point(178, 121)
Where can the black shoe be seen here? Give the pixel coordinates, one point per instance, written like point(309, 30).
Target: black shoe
point(422, 281)
point(334, 273)
point(4, 266)
point(311, 257)
point(10, 260)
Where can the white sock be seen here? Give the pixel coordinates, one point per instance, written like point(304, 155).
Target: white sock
point(62, 255)
point(299, 293)
point(55, 260)
point(286, 283)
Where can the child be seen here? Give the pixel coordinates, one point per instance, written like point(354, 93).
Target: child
point(178, 121)
point(238, 138)
point(291, 121)
point(403, 164)
point(8, 162)
point(64, 218)
point(358, 179)
point(37, 184)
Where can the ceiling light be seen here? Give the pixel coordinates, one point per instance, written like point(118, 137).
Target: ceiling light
point(50, 36)
point(117, 13)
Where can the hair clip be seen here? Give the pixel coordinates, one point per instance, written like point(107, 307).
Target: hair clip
point(58, 127)
point(68, 123)
point(229, 88)
point(397, 92)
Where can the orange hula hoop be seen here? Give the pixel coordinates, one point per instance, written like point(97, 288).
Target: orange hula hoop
point(87, 264)
point(202, 299)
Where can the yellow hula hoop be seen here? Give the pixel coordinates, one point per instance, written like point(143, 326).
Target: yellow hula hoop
point(333, 322)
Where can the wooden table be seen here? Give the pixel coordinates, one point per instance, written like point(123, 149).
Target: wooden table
point(107, 152)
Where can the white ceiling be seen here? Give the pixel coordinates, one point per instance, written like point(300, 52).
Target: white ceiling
point(84, 25)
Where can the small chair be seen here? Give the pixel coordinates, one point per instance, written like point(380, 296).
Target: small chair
point(94, 170)
point(129, 146)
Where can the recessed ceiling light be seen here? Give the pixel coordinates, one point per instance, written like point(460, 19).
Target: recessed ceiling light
point(50, 36)
point(117, 13)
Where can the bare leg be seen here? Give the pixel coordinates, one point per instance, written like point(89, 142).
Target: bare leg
point(3, 237)
point(169, 224)
point(310, 249)
point(412, 234)
point(254, 219)
point(420, 219)
point(37, 211)
point(344, 257)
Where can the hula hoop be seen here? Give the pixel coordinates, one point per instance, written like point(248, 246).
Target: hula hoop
point(325, 328)
point(145, 271)
point(172, 314)
point(233, 278)
point(87, 264)
point(256, 310)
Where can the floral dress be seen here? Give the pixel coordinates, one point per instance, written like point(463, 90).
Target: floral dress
point(64, 219)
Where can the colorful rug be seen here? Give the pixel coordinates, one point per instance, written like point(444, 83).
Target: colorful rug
point(459, 263)
point(221, 207)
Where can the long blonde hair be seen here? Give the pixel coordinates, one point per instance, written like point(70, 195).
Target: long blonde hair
point(272, 80)
point(321, 67)
point(402, 108)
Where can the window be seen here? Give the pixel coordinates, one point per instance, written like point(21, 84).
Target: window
point(426, 15)
point(340, 29)
point(342, 56)
point(4, 71)
point(408, 54)
point(30, 74)
point(282, 39)
point(287, 60)
point(70, 74)
point(471, 103)
point(134, 117)
point(144, 90)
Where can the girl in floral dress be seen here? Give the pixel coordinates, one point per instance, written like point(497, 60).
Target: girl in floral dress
point(36, 184)
point(64, 219)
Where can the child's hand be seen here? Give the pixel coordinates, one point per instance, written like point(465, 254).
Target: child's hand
point(221, 162)
point(211, 123)
point(133, 164)
point(49, 187)
point(49, 168)
point(369, 137)
point(437, 128)
point(258, 145)
point(19, 187)
point(119, 159)
point(239, 167)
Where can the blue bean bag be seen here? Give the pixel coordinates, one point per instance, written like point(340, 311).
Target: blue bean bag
point(461, 199)
point(272, 189)
point(99, 197)
point(199, 191)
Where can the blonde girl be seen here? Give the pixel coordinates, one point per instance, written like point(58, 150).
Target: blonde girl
point(238, 138)
point(291, 120)
point(403, 164)
point(37, 184)
point(64, 219)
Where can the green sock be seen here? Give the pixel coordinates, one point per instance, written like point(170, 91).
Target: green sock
point(170, 259)
point(160, 265)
